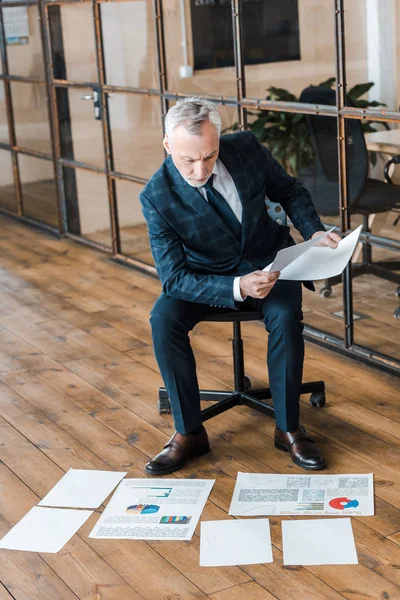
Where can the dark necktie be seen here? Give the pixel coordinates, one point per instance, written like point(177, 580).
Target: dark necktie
point(220, 205)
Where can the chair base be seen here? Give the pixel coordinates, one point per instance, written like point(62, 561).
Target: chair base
point(253, 398)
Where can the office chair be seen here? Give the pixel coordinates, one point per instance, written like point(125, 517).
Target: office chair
point(367, 196)
point(244, 394)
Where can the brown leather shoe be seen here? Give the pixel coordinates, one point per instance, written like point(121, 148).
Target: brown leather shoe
point(303, 450)
point(177, 451)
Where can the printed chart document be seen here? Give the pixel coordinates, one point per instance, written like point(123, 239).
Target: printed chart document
point(308, 262)
point(318, 542)
point(44, 529)
point(154, 509)
point(81, 488)
point(241, 542)
point(273, 494)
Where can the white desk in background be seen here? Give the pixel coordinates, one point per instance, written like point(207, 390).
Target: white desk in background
point(387, 141)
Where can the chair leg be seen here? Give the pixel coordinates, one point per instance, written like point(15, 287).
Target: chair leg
point(212, 411)
point(213, 395)
point(164, 404)
point(312, 387)
point(238, 359)
point(366, 247)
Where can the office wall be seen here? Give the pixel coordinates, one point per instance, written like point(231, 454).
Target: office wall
point(317, 50)
point(130, 55)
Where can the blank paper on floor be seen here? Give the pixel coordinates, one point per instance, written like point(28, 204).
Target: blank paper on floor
point(82, 488)
point(318, 542)
point(44, 529)
point(240, 542)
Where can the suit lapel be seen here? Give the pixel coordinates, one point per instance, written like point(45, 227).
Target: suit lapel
point(192, 196)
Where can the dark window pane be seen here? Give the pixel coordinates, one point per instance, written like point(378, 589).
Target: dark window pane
point(7, 189)
point(3, 116)
point(39, 194)
point(270, 32)
point(31, 115)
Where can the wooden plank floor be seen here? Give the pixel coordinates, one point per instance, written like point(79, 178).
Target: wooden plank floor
point(78, 388)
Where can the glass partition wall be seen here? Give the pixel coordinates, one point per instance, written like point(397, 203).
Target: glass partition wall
point(85, 86)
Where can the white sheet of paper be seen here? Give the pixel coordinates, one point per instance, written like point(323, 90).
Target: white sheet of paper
point(44, 529)
point(288, 255)
point(154, 509)
point(318, 542)
point(320, 262)
point(240, 542)
point(82, 488)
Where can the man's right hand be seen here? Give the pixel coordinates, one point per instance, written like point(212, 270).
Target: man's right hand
point(258, 284)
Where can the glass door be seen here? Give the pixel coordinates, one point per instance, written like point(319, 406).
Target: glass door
point(109, 116)
point(76, 49)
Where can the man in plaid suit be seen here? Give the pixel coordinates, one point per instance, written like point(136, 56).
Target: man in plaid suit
point(211, 235)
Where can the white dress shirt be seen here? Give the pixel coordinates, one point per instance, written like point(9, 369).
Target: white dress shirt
point(224, 184)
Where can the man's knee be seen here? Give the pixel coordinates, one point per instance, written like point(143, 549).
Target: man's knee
point(168, 316)
point(282, 308)
point(284, 319)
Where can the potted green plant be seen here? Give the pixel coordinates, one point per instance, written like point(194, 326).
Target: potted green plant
point(286, 134)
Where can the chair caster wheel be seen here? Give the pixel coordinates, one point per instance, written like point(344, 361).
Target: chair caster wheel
point(396, 314)
point(247, 383)
point(326, 292)
point(164, 406)
point(318, 399)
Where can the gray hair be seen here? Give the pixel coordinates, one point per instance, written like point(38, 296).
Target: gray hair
point(192, 113)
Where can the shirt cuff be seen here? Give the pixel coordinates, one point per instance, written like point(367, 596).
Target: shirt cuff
point(236, 290)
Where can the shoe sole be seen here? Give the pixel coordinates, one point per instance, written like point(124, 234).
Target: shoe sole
point(284, 448)
point(179, 466)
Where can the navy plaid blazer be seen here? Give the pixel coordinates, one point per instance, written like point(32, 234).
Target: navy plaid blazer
point(196, 254)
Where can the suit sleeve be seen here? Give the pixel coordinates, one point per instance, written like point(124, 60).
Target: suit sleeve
point(292, 195)
point(178, 281)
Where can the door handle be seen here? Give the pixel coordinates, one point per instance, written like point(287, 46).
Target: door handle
point(96, 97)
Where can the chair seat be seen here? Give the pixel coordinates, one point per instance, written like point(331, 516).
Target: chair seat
point(376, 197)
point(235, 316)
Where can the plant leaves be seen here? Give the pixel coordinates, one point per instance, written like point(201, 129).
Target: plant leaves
point(328, 83)
point(359, 90)
point(257, 128)
point(366, 103)
point(281, 94)
point(375, 103)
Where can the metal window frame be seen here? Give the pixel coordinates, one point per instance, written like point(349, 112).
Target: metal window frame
point(241, 102)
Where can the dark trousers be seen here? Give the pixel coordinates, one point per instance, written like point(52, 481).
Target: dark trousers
point(172, 319)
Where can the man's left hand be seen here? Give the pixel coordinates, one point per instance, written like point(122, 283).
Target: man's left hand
point(331, 240)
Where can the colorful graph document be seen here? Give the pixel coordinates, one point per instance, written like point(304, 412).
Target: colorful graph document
point(154, 509)
point(308, 262)
point(318, 542)
point(235, 542)
point(273, 494)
